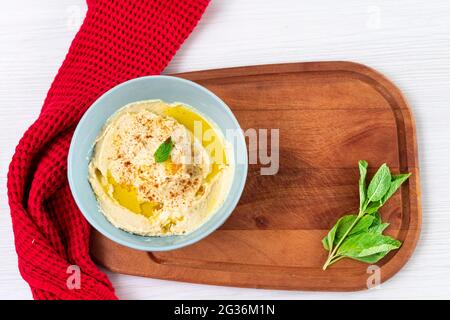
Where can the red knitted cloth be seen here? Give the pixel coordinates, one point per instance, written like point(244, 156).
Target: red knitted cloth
point(118, 40)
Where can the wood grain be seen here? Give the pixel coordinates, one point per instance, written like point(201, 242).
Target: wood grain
point(330, 115)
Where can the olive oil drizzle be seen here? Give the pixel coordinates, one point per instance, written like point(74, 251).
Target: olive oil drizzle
point(188, 117)
point(127, 196)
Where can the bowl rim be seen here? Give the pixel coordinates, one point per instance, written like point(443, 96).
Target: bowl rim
point(142, 246)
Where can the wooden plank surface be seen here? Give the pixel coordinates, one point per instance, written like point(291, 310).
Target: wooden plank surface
point(330, 115)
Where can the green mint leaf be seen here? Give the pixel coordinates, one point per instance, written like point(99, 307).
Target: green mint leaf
point(329, 240)
point(362, 164)
point(325, 244)
point(378, 228)
point(377, 225)
point(163, 152)
point(379, 185)
point(341, 227)
point(361, 226)
point(343, 224)
point(373, 207)
point(396, 182)
point(374, 258)
point(376, 218)
point(367, 244)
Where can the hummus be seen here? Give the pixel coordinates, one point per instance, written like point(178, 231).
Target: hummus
point(140, 195)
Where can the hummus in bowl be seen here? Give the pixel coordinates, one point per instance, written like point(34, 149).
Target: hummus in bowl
point(157, 163)
point(143, 193)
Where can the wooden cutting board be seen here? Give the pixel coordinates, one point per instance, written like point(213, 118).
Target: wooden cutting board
point(330, 115)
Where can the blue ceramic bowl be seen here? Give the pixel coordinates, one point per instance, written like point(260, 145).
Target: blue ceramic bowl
point(168, 89)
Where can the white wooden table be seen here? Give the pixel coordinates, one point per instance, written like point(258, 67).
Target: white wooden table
point(408, 40)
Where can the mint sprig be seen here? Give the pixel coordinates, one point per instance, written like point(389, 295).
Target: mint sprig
point(163, 152)
point(360, 236)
